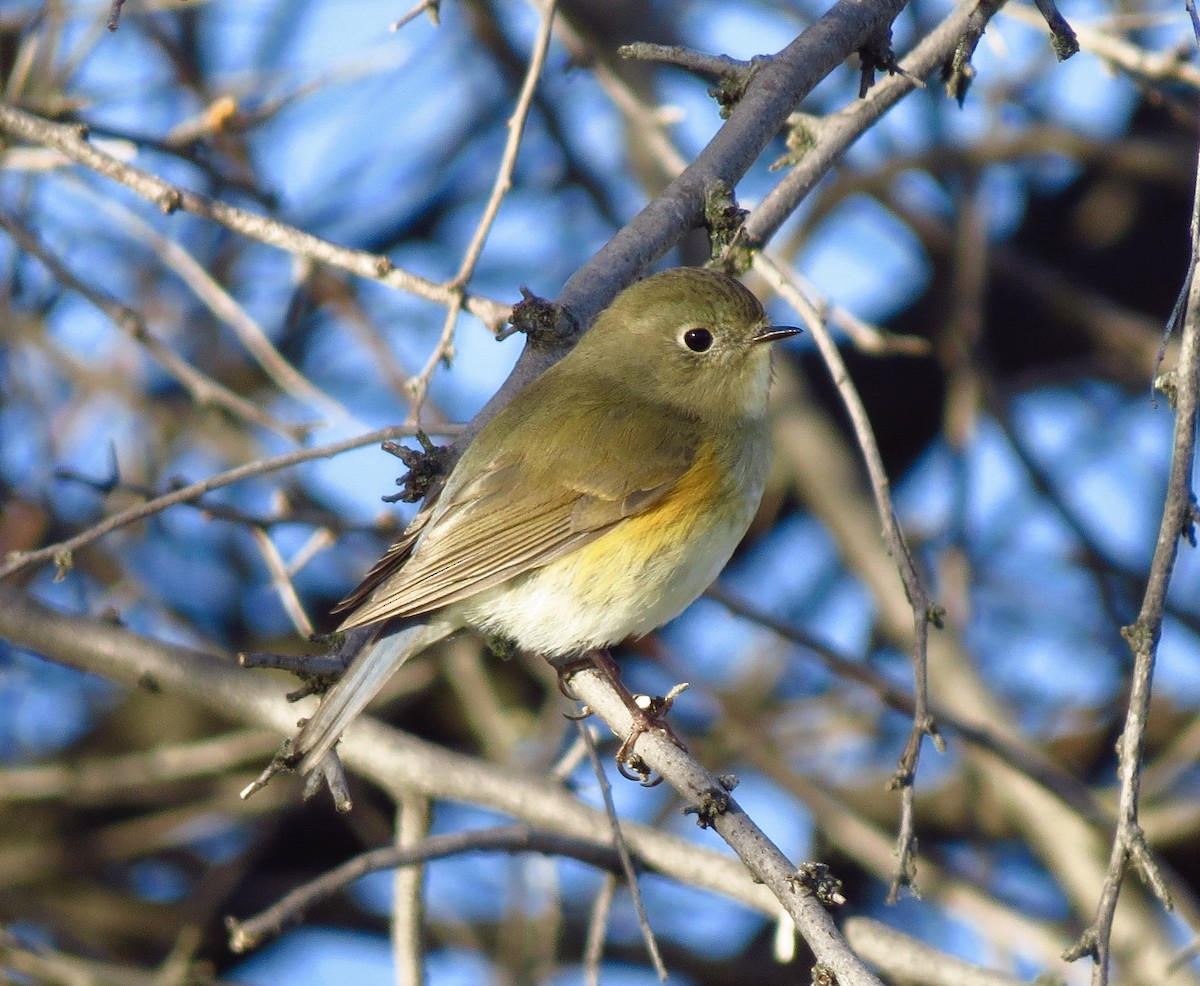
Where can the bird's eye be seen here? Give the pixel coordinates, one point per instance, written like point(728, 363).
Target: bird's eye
point(697, 340)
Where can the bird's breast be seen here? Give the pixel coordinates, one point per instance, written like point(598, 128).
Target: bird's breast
point(646, 569)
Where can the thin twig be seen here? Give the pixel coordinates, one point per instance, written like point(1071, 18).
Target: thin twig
point(835, 133)
point(708, 798)
point(433, 6)
point(1161, 68)
point(1062, 38)
point(61, 552)
point(281, 580)
point(1028, 759)
point(614, 823)
point(226, 308)
point(597, 929)
point(72, 142)
point(247, 934)
point(1182, 384)
point(922, 609)
point(696, 62)
point(97, 777)
point(444, 351)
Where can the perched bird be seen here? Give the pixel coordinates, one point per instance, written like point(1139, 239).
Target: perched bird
point(595, 506)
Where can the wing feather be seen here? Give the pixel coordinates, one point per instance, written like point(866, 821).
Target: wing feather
point(522, 509)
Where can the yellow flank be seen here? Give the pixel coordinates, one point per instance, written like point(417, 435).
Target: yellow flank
point(699, 495)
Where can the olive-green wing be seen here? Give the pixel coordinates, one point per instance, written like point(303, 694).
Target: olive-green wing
point(521, 510)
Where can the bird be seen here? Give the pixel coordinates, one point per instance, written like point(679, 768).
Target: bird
point(594, 507)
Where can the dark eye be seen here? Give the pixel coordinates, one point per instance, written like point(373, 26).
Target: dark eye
point(697, 340)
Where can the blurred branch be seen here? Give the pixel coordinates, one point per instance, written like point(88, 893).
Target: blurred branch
point(626, 861)
point(72, 142)
point(402, 763)
point(413, 820)
point(907, 960)
point(247, 934)
point(43, 965)
point(226, 308)
point(61, 552)
point(1182, 385)
point(1016, 752)
point(829, 482)
point(204, 390)
point(97, 777)
point(1173, 67)
point(389, 758)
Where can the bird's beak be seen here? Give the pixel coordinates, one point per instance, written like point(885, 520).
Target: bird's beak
point(773, 333)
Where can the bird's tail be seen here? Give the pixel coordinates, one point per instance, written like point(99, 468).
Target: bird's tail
point(356, 687)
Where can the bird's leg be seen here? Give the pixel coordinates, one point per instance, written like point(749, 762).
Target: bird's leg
point(647, 712)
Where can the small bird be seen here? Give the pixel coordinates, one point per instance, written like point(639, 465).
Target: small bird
point(603, 499)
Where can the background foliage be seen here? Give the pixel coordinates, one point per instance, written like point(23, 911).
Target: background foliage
point(1023, 252)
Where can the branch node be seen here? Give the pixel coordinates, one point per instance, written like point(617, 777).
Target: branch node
point(801, 138)
point(822, 975)
point(732, 84)
point(725, 221)
point(171, 200)
point(425, 468)
point(64, 561)
point(1086, 944)
point(713, 802)
point(816, 880)
point(546, 325)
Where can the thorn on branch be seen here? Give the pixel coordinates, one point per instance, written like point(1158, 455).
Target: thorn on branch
point(431, 7)
point(546, 325)
point(170, 201)
point(877, 56)
point(425, 468)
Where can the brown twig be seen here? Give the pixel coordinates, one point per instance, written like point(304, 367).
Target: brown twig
point(614, 823)
point(443, 351)
point(413, 820)
point(244, 935)
point(204, 390)
point(697, 62)
point(923, 610)
point(1182, 384)
point(61, 551)
point(72, 142)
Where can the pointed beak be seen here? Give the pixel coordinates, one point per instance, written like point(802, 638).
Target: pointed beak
point(773, 333)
